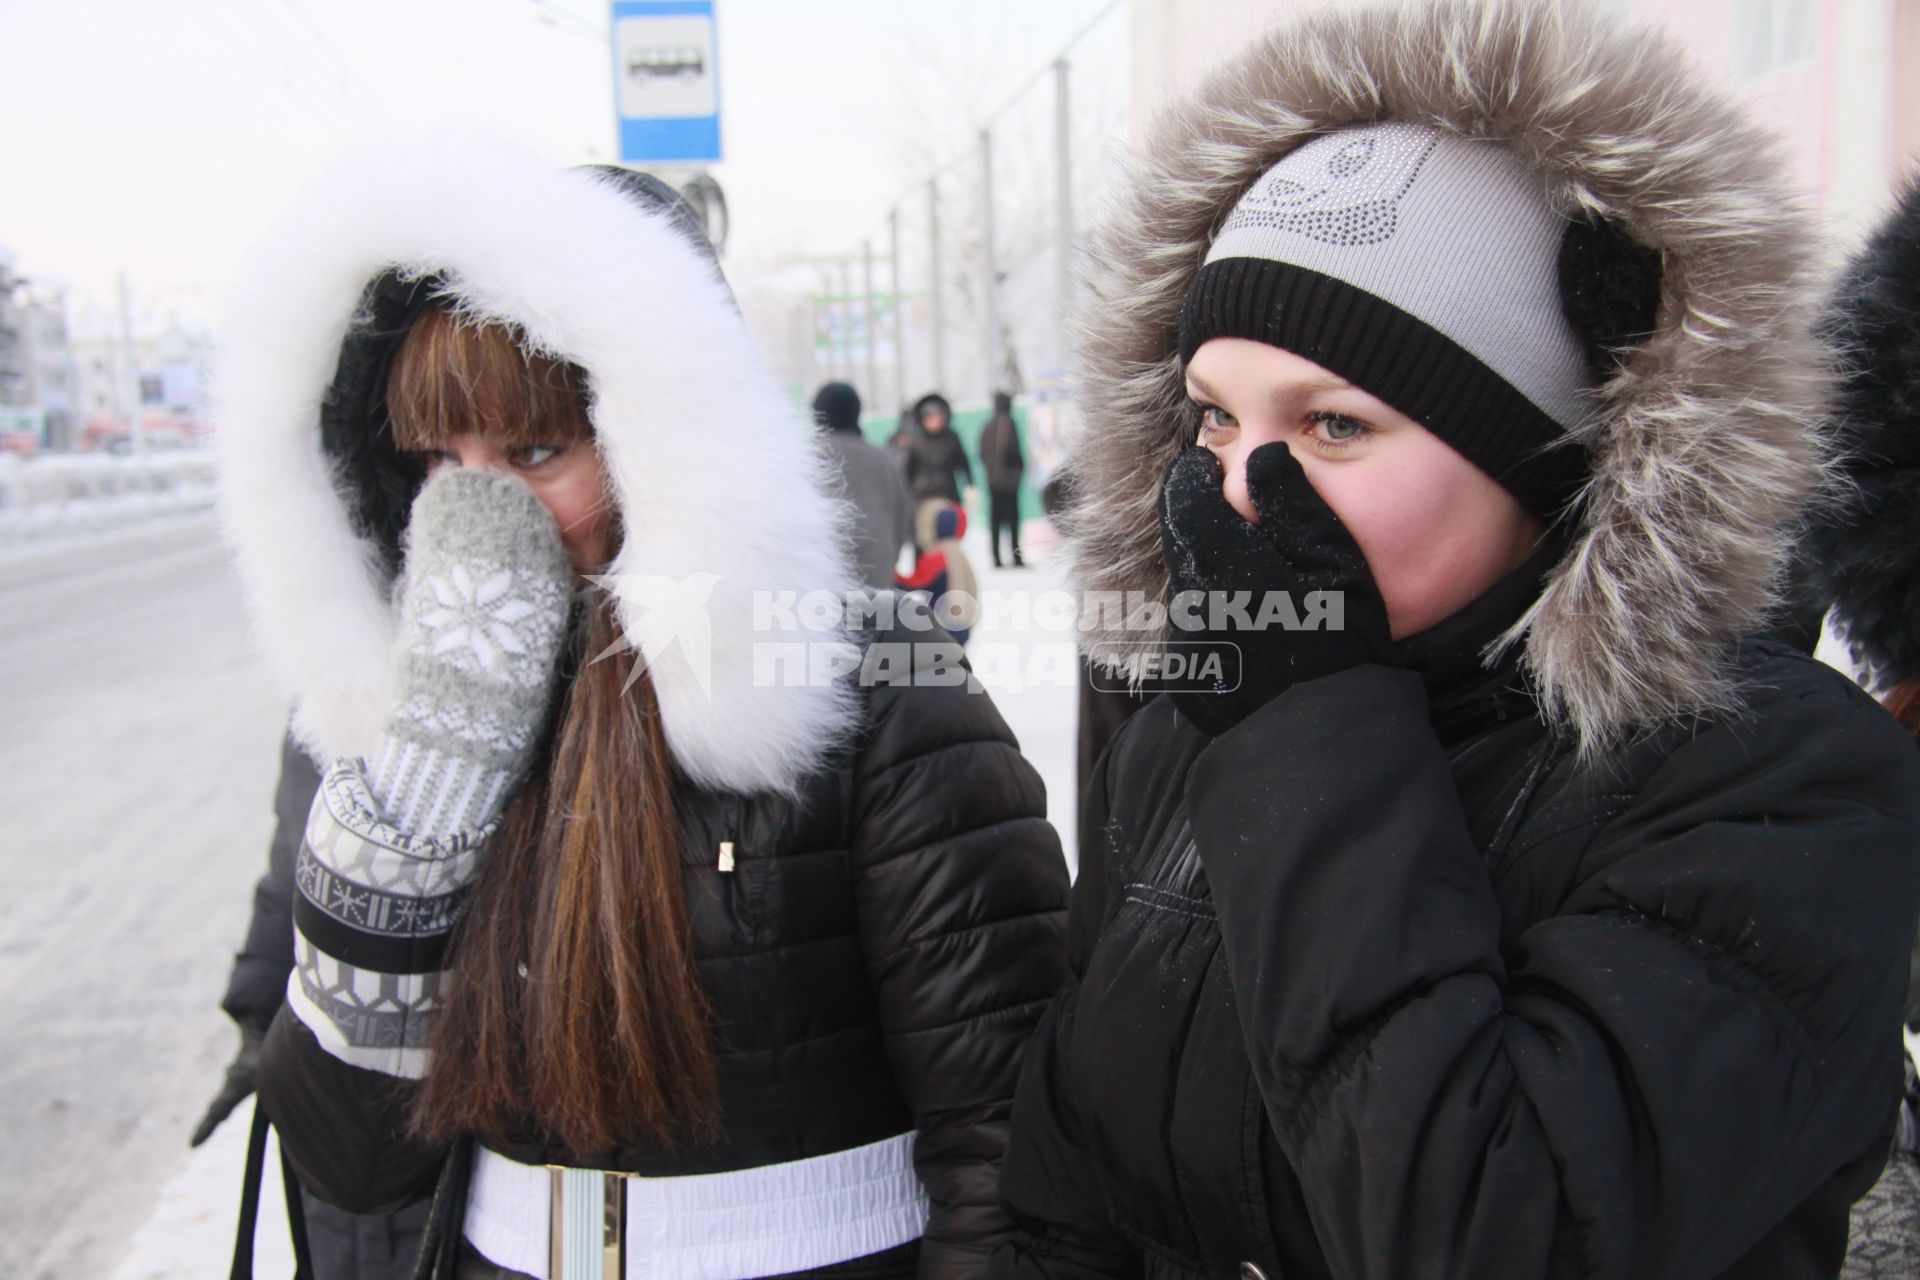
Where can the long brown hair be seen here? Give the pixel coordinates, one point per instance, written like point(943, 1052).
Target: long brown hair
point(572, 1000)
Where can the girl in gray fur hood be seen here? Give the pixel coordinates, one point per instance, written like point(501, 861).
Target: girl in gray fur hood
point(1482, 899)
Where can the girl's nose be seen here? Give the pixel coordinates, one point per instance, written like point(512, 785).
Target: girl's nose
point(1236, 486)
point(1233, 460)
point(474, 452)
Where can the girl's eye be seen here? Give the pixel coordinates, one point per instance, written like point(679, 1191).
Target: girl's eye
point(1337, 429)
point(1214, 419)
point(535, 454)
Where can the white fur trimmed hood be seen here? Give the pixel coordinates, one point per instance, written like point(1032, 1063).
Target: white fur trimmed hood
point(718, 478)
point(1705, 446)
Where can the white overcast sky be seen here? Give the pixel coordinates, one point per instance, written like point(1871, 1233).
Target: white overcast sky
point(163, 136)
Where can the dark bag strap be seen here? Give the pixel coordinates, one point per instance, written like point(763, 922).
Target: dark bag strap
point(249, 1199)
point(296, 1219)
point(250, 1206)
point(446, 1217)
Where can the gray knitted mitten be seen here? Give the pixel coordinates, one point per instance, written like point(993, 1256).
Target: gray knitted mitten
point(483, 612)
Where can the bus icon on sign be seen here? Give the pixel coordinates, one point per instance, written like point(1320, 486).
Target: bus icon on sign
point(666, 64)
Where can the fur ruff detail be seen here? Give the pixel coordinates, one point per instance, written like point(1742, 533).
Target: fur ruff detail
point(1705, 444)
point(713, 471)
point(1866, 557)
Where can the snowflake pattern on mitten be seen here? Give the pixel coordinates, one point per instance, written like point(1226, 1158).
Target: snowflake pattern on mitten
point(391, 854)
point(483, 611)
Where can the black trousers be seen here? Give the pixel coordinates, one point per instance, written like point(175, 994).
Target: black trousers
point(1003, 510)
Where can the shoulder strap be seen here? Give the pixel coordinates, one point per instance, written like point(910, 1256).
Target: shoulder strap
point(249, 1199)
point(446, 1217)
point(249, 1220)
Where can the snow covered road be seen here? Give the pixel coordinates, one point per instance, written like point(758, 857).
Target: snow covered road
point(138, 748)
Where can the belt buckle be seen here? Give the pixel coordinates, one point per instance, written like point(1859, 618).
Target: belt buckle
point(586, 1225)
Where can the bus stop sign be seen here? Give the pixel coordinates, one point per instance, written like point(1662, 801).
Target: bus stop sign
point(666, 82)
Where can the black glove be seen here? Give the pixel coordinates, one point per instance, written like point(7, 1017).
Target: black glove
point(1300, 546)
point(243, 1074)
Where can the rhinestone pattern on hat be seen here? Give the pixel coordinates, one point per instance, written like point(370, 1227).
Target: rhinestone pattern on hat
point(1340, 189)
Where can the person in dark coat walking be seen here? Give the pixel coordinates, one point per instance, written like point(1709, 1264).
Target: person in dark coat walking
point(937, 465)
point(872, 484)
point(1864, 557)
point(1502, 909)
point(1004, 464)
point(749, 950)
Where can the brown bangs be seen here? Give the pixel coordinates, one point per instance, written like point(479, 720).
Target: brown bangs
point(454, 375)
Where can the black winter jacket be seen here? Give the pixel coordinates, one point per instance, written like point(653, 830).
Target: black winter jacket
point(875, 962)
point(1000, 446)
point(933, 460)
point(257, 986)
point(1379, 983)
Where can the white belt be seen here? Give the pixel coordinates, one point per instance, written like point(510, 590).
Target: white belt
point(556, 1223)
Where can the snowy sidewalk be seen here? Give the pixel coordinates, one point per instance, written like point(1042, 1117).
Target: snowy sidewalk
point(190, 1234)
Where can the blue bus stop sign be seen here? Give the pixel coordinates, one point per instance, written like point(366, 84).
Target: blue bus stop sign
point(666, 81)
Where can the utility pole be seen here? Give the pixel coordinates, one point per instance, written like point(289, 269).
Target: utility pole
point(872, 387)
point(991, 285)
point(846, 316)
point(933, 243)
point(1063, 154)
point(130, 375)
point(896, 311)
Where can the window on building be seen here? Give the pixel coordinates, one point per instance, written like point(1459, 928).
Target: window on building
point(151, 389)
point(1773, 34)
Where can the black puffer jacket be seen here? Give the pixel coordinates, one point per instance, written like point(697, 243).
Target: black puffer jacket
point(257, 986)
point(936, 458)
point(1357, 996)
point(875, 962)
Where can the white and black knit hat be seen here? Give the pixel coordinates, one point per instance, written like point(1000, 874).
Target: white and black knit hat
point(1425, 268)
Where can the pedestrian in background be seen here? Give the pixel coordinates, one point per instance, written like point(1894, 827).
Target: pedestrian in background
point(1001, 458)
point(937, 465)
point(580, 887)
point(941, 569)
point(900, 443)
point(1864, 554)
point(872, 485)
point(1532, 918)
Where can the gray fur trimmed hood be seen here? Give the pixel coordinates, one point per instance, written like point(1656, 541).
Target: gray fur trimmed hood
point(722, 489)
point(1705, 444)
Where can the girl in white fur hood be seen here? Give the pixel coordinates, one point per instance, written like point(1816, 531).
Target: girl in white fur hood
point(749, 961)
